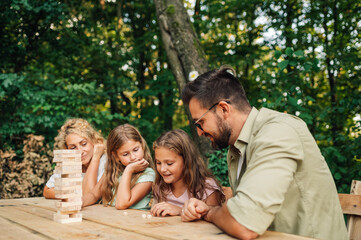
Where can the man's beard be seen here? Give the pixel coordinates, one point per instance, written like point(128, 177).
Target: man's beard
point(222, 140)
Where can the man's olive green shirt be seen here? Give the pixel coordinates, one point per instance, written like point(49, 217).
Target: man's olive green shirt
point(285, 184)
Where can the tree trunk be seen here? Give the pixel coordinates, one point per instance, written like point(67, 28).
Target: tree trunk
point(184, 51)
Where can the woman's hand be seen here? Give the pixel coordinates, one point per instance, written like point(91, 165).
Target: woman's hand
point(99, 149)
point(138, 166)
point(163, 209)
point(91, 172)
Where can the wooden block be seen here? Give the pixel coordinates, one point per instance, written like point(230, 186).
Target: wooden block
point(69, 180)
point(61, 218)
point(63, 159)
point(67, 188)
point(78, 199)
point(66, 182)
point(72, 190)
point(69, 208)
point(66, 155)
point(69, 164)
point(67, 204)
point(71, 175)
point(76, 215)
point(58, 216)
point(67, 170)
point(60, 151)
point(67, 212)
point(69, 220)
point(67, 195)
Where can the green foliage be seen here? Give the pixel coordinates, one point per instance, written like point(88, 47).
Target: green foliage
point(296, 58)
point(217, 162)
point(104, 61)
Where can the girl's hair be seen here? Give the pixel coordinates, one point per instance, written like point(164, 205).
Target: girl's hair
point(80, 127)
point(114, 168)
point(195, 172)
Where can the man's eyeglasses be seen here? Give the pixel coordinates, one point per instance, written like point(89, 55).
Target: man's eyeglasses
point(196, 123)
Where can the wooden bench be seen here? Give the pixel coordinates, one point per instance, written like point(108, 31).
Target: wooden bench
point(351, 206)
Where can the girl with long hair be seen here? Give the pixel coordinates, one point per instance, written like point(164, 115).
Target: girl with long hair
point(129, 171)
point(181, 174)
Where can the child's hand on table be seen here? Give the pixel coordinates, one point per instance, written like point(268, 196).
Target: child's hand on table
point(163, 209)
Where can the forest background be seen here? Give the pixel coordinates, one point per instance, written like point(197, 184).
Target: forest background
point(109, 61)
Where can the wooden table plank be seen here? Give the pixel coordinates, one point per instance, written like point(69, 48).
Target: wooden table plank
point(35, 216)
point(39, 220)
point(157, 227)
point(11, 230)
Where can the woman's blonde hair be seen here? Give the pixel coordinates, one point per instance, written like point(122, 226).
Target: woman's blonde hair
point(195, 172)
point(80, 127)
point(114, 168)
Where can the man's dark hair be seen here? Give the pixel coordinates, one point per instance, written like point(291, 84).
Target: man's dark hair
point(214, 86)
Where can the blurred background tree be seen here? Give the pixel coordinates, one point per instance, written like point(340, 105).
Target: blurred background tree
point(105, 61)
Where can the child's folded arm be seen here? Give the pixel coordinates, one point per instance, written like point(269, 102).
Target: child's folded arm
point(126, 196)
point(138, 192)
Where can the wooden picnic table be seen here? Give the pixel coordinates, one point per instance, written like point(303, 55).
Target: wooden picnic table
point(32, 218)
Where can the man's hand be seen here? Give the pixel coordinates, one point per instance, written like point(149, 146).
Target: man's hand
point(163, 209)
point(194, 209)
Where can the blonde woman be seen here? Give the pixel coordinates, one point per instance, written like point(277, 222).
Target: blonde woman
point(78, 134)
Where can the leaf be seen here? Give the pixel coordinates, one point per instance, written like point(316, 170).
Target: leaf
point(289, 52)
point(278, 54)
point(282, 65)
point(309, 98)
point(292, 101)
point(299, 53)
point(338, 176)
point(307, 66)
point(293, 62)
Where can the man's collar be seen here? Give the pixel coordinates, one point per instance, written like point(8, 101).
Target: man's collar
point(246, 131)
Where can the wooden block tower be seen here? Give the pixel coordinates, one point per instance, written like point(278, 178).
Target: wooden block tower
point(68, 186)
